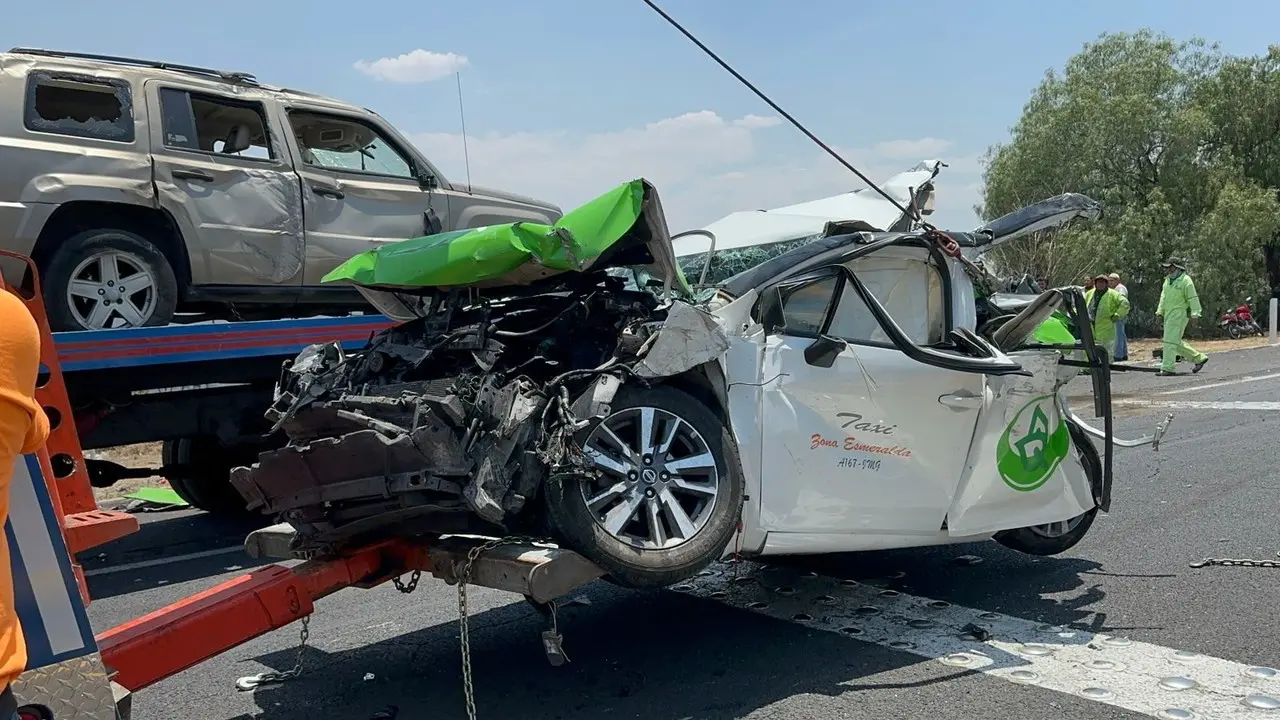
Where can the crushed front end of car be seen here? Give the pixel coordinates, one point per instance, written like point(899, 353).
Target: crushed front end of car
point(516, 342)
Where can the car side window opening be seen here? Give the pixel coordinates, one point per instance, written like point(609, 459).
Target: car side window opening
point(202, 123)
point(909, 289)
point(95, 108)
point(804, 306)
point(335, 143)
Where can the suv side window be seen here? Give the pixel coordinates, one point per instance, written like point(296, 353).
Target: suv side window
point(197, 122)
point(337, 143)
point(80, 106)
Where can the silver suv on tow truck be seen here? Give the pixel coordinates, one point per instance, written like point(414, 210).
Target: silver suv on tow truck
point(142, 189)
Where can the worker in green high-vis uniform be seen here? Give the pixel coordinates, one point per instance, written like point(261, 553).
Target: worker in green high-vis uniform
point(1178, 304)
point(1106, 307)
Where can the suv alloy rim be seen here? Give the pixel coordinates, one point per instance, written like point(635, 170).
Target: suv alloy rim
point(111, 285)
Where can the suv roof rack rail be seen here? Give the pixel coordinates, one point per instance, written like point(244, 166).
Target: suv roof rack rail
point(229, 76)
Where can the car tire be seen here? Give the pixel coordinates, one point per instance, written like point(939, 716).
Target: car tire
point(206, 484)
point(1055, 539)
point(131, 254)
point(639, 562)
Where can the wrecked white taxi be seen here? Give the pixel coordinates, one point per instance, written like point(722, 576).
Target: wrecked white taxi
point(563, 381)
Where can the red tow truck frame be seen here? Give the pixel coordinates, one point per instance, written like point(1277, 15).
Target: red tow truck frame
point(174, 638)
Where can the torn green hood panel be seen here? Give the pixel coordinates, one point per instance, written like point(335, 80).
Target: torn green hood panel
point(610, 227)
point(1054, 331)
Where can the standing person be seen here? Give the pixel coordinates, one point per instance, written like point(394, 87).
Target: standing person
point(1178, 303)
point(1122, 340)
point(1107, 307)
point(23, 429)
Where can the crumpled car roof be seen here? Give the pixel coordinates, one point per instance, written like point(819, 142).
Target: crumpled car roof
point(1049, 213)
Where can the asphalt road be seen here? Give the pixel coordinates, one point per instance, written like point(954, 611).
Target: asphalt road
point(1210, 491)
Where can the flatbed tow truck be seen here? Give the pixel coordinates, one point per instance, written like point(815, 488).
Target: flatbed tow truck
point(74, 674)
point(135, 385)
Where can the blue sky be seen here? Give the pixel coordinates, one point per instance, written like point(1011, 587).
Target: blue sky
point(566, 98)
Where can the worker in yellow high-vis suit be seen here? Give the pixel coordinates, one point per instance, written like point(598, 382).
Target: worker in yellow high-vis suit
point(23, 429)
point(1179, 303)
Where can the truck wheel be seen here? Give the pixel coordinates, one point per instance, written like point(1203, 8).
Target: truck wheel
point(1059, 537)
point(106, 278)
point(206, 484)
point(669, 493)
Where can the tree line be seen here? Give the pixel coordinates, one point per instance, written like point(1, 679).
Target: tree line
point(1180, 142)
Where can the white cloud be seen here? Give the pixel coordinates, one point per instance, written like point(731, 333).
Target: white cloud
point(418, 66)
point(757, 121)
point(922, 148)
point(704, 166)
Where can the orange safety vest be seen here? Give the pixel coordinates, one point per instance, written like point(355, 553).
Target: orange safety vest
point(23, 429)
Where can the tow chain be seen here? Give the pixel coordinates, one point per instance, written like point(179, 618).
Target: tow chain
point(1235, 562)
point(410, 586)
point(464, 629)
point(253, 682)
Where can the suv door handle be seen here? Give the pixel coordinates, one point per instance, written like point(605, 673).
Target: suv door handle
point(193, 175)
point(962, 400)
point(327, 191)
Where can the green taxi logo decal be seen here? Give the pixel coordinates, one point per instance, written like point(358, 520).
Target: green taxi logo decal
point(1033, 445)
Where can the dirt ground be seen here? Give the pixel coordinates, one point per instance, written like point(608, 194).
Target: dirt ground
point(1141, 349)
point(143, 455)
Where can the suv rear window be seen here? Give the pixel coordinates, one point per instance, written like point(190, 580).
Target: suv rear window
point(81, 106)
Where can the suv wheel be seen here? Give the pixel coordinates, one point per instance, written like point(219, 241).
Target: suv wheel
point(206, 482)
point(102, 279)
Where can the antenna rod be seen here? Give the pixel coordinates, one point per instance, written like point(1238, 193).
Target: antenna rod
point(784, 113)
point(466, 158)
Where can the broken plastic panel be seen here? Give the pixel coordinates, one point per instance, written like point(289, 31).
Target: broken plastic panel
point(623, 227)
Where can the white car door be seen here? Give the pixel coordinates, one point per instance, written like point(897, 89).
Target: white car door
point(863, 439)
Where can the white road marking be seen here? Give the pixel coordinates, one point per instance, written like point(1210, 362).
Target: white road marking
point(1149, 679)
point(1224, 383)
point(162, 561)
point(1257, 406)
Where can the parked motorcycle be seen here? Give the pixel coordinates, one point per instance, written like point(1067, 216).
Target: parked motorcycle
point(1239, 322)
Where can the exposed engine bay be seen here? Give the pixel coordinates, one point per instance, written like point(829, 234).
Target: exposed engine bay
point(452, 422)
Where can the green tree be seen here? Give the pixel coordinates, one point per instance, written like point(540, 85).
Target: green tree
point(1155, 130)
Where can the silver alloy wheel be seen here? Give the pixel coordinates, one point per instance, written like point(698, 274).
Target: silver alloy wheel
point(112, 285)
point(1057, 529)
point(658, 482)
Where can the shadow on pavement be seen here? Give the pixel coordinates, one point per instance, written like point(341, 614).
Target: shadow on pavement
point(640, 655)
point(668, 655)
point(1053, 590)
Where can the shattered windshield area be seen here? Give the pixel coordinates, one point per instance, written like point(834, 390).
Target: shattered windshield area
point(733, 261)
